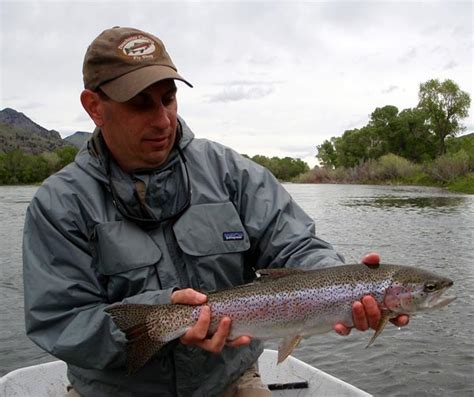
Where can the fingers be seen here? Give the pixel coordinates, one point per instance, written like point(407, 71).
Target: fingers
point(198, 335)
point(199, 331)
point(217, 342)
point(365, 314)
point(341, 329)
point(240, 341)
point(359, 317)
point(188, 296)
point(371, 259)
point(401, 320)
point(372, 311)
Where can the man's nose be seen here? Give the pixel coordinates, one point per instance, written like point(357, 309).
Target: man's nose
point(161, 117)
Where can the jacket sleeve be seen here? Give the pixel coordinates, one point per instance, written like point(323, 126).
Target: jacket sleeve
point(64, 295)
point(281, 233)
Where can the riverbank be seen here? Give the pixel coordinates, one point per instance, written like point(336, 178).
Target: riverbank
point(464, 184)
point(451, 172)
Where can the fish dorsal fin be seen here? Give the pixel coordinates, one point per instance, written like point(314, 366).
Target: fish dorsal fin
point(287, 345)
point(270, 274)
point(383, 322)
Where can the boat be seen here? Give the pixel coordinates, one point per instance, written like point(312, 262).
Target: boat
point(292, 377)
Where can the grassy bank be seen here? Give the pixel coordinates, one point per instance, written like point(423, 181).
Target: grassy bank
point(454, 172)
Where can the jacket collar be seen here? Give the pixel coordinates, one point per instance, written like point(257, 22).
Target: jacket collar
point(94, 156)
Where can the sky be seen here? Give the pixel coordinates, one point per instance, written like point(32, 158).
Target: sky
point(270, 77)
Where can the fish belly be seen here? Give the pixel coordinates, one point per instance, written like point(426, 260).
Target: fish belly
point(301, 312)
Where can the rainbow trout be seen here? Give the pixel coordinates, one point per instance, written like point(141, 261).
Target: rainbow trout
point(285, 303)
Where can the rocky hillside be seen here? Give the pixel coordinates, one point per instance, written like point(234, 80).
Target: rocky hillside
point(17, 131)
point(78, 138)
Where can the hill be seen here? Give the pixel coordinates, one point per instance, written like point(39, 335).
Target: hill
point(17, 131)
point(78, 138)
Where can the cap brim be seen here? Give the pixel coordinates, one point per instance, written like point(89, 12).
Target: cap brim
point(127, 86)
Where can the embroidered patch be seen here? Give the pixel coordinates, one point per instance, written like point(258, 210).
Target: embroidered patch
point(138, 47)
point(231, 236)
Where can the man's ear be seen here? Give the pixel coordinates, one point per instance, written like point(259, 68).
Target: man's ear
point(93, 105)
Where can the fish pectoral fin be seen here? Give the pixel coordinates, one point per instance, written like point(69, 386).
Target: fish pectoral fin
point(383, 322)
point(287, 345)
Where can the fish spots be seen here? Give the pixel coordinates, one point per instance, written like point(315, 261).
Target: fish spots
point(300, 303)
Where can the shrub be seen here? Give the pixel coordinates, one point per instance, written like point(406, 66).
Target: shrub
point(391, 166)
point(316, 175)
point(364, 172)
point(464, 184)
point(449, 166)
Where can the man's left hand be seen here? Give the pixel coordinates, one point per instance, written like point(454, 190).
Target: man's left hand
point(366, 313)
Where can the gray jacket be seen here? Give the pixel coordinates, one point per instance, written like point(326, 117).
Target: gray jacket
point(80, 255)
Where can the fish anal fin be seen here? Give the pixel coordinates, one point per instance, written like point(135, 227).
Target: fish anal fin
point(383, 322)
point(287, 345)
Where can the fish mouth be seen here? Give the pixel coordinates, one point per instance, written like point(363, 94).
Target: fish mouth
point(439, 300)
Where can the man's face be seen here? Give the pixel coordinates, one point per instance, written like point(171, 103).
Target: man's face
point(141, 132)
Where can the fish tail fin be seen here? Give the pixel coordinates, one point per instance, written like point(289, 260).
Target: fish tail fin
point(383, 322)
point(140, 350)
point(132, 320)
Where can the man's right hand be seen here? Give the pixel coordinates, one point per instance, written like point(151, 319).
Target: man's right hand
point(198, 335)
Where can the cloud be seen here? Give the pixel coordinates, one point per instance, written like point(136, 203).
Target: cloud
point(408, 56)
point(390, 89)
point(241, 92)
point(450, 65)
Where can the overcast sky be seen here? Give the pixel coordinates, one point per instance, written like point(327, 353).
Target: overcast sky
point(271, 78)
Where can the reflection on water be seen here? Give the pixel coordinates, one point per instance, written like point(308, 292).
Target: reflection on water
point(435, 202)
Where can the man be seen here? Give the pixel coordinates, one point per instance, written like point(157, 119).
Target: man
point(144, 215)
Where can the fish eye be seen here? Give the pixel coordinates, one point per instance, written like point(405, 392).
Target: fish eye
point(430, 287)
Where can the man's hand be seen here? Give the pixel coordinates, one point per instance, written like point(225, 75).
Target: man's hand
point(198, 335)
point(366, 314)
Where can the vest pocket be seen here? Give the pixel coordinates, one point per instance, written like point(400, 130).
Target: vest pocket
point(126, 256)
point(214, 242)
point(210, 229)
point(123, 246)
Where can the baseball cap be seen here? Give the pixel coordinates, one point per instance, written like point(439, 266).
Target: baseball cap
point(124, 61)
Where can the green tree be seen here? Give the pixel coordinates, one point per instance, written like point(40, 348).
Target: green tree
point(445, 105)
point(386, 133)
point(356, 146)
point(419, 143)
point(326, 154)
point(66, 155)
point(284, 169)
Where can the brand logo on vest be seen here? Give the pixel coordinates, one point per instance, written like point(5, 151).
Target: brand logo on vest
point(232, 236)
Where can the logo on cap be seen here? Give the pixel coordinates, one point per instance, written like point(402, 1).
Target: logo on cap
point(138, 47)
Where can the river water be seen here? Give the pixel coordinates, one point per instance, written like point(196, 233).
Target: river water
point(426, 227)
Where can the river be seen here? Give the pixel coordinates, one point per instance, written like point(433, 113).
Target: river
point(426, 227)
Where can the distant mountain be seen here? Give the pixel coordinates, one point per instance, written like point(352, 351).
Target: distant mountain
point(78, 138)
point(17, 131)
point(19, 121)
